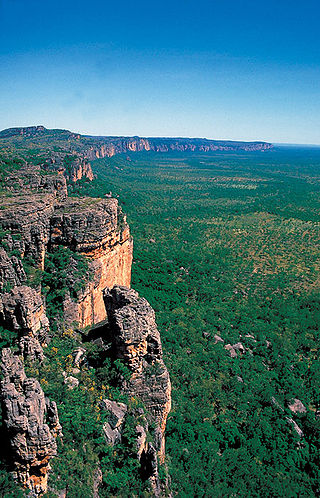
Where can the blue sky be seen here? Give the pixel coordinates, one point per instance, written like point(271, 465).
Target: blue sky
point(246, 70)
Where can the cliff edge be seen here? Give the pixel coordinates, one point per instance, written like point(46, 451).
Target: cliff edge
point(80, 249)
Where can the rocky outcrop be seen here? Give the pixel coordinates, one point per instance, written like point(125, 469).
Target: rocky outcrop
point(22, 310)
point(25, 215)
point(31, 178)
point(73, 167)
point(79, 169)
point(97, 229)
point(136, 341)
point(28, 131)
point(296, 406)
point(12, 272)
point(116, 415)
point(31, 424)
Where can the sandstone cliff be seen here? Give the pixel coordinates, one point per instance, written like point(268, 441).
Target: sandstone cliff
point(42, 217)
point(74, 166)
point(110, 146)
point(97, 229)
point(37, 218)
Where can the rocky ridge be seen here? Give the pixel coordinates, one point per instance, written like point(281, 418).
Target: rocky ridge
point(36, 218)
point(110, 146)
point(69, 153)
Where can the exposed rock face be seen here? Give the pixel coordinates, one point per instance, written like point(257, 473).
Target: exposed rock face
point(97, 229)
point(26, 214)
point(11, 271)
point(117, 413)
point(80, 169)
point(136, 340)
point(31, 422)
point(73, 167)
point(296, 406)
point(22, 310)
point(30, 177)
point(110, 146)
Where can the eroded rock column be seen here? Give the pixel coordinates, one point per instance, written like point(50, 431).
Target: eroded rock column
point(136, 340)
point(31, 424)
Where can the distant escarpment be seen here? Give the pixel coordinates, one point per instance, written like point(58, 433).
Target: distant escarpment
point(110, 146)
point(65, 271)
point(69, 153)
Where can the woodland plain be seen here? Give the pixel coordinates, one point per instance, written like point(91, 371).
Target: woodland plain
point(226, 249)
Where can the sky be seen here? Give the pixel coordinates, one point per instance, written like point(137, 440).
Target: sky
point(237, 69)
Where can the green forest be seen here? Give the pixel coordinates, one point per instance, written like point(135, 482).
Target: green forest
point(226, 249)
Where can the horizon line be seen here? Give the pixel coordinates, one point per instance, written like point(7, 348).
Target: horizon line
point(289, 144)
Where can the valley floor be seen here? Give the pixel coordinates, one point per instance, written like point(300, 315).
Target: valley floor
point(226, 249)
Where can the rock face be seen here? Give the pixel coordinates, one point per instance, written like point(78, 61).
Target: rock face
point(36, 218)
point(73, 167)
point(44, 217)
point(31, 422)
point(136, 340)
point(12, 272)
point(81, 168)
point(97, 229)
point(25, 215)
point(110, 146)
point(117, 413)
point(22, 310)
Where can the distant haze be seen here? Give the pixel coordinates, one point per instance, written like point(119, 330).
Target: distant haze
point(236, 70)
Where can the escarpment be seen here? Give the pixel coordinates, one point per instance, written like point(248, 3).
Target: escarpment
point(72, 152)
point(90, 239)
point(42, 217)
point(110, 146)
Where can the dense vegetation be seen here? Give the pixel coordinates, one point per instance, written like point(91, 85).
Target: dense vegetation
point(228, 246)
point(227, 252)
